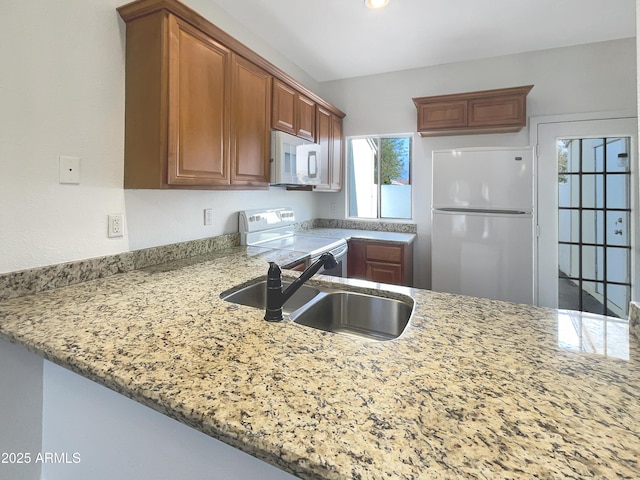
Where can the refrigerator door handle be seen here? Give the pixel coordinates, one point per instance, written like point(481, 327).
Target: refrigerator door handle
point(481, 211)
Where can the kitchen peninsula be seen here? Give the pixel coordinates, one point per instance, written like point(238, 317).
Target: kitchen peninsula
point(472, 389)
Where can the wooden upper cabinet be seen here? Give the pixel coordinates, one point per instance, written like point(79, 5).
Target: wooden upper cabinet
point(198, 108)
point(293, 112)
point(250, 132)
point(284, 107)
point(498, 110)
point(442, 115)
point(336, 159)
point(306, 127)
point(490, 111)
point(329, 136)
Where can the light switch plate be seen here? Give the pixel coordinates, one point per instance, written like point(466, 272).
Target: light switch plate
point(69, 169)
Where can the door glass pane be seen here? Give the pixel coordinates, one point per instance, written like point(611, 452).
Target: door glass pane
point(618, 298)
point(617, 191)
point(618, 155)
point(569, 294)
point(591, 295)
point(592, 155)
point(592, 226)
point(569, 260)
point(568, 156)
point(568, 225)
point(568, 190)
point(618, 228)
point(592, 258)
point(592, 191)
point(618, 264)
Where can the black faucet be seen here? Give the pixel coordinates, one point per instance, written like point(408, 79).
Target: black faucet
point(276, 297)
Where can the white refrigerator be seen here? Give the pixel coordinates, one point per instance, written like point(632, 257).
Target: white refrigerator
point(483, 231)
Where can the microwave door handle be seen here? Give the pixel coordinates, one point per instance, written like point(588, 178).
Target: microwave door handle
point(313, 172)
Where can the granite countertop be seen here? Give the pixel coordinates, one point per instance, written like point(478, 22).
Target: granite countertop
point(473, 388)
point(352, 233)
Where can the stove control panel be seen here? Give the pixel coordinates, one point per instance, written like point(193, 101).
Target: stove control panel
point(265, 219)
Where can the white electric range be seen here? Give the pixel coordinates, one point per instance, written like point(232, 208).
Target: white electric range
point(274, 228)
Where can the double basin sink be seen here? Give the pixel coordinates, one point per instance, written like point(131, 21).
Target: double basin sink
point(350, 313)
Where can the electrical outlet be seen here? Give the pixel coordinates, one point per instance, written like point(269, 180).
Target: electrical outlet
point(333, 208)
point(116, 225)
point(208, 216)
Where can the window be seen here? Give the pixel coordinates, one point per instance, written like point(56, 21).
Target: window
point(379, 176)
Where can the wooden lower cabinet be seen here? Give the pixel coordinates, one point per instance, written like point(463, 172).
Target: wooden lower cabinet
point(381, 262)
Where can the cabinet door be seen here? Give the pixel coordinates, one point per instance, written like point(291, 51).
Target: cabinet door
point(381, 262)
point(356, 260)
point(198, 108)
point(329, 136)
point(250, 129)
point(284, 107)
point(496, 111)
point(434, 116)
point(306, 118)
point(384, 273)
point(323, 135)
point(336, 157)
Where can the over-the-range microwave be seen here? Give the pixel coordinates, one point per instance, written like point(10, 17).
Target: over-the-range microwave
point(294, 161)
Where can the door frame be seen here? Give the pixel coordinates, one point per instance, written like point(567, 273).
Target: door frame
point(534, 123)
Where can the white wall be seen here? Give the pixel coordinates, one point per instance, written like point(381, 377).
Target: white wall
point(62, 93)
point(102, 435)
point(20, 411)
point(587, 78)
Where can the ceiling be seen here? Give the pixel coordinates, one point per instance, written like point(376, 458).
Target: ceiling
point(337, 39)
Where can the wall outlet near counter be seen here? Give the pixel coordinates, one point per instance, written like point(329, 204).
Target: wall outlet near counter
point(208, 216)
point(115, 225)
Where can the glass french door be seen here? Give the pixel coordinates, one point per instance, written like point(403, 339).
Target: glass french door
point(586, 202)
point(594, 214)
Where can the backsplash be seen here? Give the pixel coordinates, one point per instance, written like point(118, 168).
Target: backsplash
point(27, 282)
point(365, 225)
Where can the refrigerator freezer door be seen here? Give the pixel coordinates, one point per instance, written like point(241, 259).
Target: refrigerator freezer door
point(483, 255)
point(499, 179)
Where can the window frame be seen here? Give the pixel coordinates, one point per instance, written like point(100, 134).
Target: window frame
point(349, 173)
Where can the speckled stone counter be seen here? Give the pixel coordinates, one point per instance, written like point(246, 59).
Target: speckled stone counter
point(472, 389)
point(374, 235)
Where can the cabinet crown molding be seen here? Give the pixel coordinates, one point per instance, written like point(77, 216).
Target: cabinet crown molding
point(140, 8)
point(523, 90)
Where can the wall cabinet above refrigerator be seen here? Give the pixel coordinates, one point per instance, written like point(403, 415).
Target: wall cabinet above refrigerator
point(490, 111)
